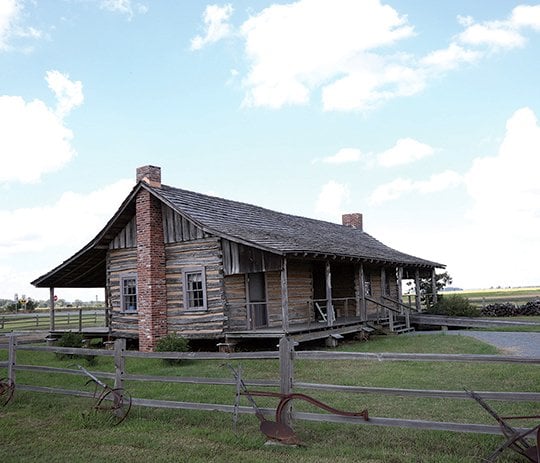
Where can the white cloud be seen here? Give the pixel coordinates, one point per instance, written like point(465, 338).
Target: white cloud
point(216, 25)
point(295, 48)
point(526, 16)
point(397, 188)
point(343, 156)
point(48, 235)
point(506, 186)
point(347, 51)
point(450, 57)
point(405, 151)
point(33, 137)
point(9, 11)
point(496, 34)
point(69, 94)
point(331, 199)
point(77, 219)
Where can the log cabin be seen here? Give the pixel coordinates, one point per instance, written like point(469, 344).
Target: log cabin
point(203, 267)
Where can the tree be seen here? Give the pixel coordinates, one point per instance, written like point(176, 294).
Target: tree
point(442, 280)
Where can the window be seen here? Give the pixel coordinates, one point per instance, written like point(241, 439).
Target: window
point(128, 293)
point(195, 289)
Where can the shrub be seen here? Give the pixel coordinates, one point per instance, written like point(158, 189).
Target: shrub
point(454, 306)
point(172, 343)
point(71, 339)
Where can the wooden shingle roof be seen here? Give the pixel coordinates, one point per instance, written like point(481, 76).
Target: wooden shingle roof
point(244, 223)
point(281, 233)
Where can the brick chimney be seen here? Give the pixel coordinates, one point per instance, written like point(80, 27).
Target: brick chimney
point(151, 274)
point(150, 175)
point(352, 220)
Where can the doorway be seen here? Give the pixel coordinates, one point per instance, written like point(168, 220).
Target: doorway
point(256, 299)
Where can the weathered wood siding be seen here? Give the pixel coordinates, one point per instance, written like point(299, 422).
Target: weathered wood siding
point(343, 287)
point(273, 296)
point(177, 229)
point(127, 238)
point(186, 255)
point(300, 288)
point(235, 297)
point(121, 262)
point(240, 259)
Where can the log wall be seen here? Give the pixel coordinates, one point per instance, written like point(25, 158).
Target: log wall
point(181, 256)
point(121, 262)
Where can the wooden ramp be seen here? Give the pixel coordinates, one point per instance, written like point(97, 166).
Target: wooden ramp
point(467, 322)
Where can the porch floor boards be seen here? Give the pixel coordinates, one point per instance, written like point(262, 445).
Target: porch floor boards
point(302, 332)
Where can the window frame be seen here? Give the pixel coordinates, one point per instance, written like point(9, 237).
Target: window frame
point(186, 291)
point(123, 296)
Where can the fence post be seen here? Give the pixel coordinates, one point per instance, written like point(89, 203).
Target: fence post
point(119, 362)
point(80, 319)
point(286, 349)
point(12, 358)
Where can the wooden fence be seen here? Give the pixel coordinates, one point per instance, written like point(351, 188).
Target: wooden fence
point(286, 383)
point(73, 318)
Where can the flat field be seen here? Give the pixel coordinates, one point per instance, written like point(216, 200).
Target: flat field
point(46, 427)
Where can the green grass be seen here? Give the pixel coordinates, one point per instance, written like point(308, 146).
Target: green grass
point(43, 427)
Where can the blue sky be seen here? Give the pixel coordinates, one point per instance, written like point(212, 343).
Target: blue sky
point(421, 115)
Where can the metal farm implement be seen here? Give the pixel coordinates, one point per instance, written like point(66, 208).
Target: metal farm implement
point(279, 430)
point(7, 387)
point(516, 440)
point(115, 403)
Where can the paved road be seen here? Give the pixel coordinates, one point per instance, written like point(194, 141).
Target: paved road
point(513, 343)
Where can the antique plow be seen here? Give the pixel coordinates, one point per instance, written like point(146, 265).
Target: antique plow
point(115, 403)
point(7, 387)
point(515, 440)
point(278, 430)
point(274, 430)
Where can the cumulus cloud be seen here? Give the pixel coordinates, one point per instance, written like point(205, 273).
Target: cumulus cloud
point(69, 94)
point(397, 188)
point(348, 52)
point(343, 156)
point(331, 200)
point(10, 16)
point(88, 212)
point(507, 184)
point(33, 137)
point(297, 47)
point(216, 25)
point(405, 151)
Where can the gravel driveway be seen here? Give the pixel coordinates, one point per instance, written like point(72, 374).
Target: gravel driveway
point(513, 343)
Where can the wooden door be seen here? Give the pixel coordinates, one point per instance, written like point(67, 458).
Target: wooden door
point(257, 304)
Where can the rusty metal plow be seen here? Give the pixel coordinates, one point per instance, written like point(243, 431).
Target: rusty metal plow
point(114, 403)
point(515, 440)
point(279, 430)
point(7, 387)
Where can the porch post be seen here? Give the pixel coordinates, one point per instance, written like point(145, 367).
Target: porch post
point(329, 307)
point(363, 291)
point(434, 285)
point(284, 296)
point(51, 309)
point(383, 282)
point(399, 283)
point(357, 290)
point(417, 289)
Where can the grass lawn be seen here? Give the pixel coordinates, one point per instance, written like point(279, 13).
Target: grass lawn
point(43, 427)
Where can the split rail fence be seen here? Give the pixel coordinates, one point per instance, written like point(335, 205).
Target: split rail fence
point(286, 383)
point(73, 318)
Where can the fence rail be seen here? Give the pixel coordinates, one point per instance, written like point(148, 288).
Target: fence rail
point(286, 382)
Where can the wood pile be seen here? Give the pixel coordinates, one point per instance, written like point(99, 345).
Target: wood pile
point(507, 309)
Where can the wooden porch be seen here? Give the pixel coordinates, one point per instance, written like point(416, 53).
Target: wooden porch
point(302, 332)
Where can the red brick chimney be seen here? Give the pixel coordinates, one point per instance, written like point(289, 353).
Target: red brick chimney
point(150, 175)
point(352, 220)
point(151, 275)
